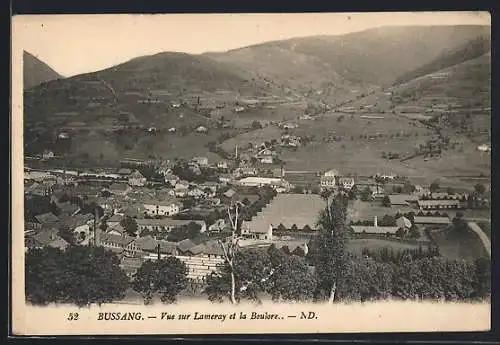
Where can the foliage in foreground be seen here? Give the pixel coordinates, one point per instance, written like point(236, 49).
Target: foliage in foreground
point(80, 275)
point(168, 277)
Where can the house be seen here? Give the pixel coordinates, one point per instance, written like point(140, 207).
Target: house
point(46, 220)
point(201, 161)
point(225, 178)
point(484, 148)
point(171, 179)
point(114, 220)
point(167, 224)
point(248, 171)
point(172, 130)
point(150, 247)
point(261, 233)
point(267, 160)
point(116, 230)
point(402, 199)
point(67, 208)
point(305, 117)
point(124, 172)
point(431, 220)
point(82, 226)
point(185, 245)
point(119, 244)
point(195, 192)
point(47, 155)
point(346, 182)
point(439, 204)
point(219, 226)
point(328, 182)
point(403, 223)
point(181, 188)
point(136, 179)
point(167, 207)
point(201, 129)
point(222, 165)
point(47, 238)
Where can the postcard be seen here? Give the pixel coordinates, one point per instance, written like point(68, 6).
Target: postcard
point(251, 173)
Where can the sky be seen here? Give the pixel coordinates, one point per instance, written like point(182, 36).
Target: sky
point(75, 44)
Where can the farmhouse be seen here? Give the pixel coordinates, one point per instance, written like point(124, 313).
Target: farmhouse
point(137, 179)
point(45, 220)
point(439, 204)
point(167, 207)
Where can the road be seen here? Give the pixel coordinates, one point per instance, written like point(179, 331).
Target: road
point(486, 241)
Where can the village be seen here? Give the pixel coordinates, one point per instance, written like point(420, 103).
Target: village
point(158, 208)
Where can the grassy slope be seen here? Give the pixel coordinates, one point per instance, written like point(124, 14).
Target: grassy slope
point(36, 72)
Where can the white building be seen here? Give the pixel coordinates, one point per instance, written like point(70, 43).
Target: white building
point(201, 161)
point(254, 181)
point(346, 182)
point(161, 207)
point(328, 182)
point(484, 148)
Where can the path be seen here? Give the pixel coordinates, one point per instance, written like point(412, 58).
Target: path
point(486, 241)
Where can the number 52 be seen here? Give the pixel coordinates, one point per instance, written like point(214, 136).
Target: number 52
point(72, 316)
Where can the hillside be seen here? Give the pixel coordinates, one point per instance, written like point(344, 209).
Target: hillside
point(336, 66)
point(115, 106)
point(36, 72)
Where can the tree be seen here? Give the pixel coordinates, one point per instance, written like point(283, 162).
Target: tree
point(245, 278)
point(168, 277)
point(330, 255)
point(366, 194)
point(292, 281)
point(408, 188)
point(80, 275)
point(434, 187)
point(298, 251)
point(450, 190)
point(480, 188)
point(230, 248)
point(386, 201)
point(130, 225)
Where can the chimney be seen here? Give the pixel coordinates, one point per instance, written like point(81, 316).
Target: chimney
point(158, 251)
point(375, 222)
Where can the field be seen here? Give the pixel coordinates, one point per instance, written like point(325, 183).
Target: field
point(357, 245)
point(361, 210)
point(459, 246)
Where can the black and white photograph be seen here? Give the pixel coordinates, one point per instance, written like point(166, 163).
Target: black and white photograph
point(251, 172)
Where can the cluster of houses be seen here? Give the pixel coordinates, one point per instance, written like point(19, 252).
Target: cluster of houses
point(331, 180)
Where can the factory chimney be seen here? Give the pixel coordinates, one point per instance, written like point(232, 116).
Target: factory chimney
point(375, 224)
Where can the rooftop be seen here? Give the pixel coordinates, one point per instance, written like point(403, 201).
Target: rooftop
point(432, 220)
point(288, 209)
point(402, 199)
point(374, 229)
